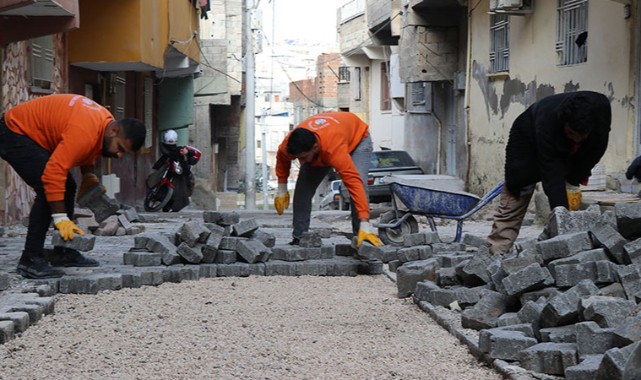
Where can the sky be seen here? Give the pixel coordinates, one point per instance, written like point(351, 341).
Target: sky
point(310, 20)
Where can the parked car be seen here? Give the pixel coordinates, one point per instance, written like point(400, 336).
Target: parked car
point(384, 163)
point(332, 201)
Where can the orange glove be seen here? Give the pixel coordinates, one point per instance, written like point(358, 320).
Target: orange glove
point(89, 180)
point(66, 227)
point(281, 202)
point(366, 233)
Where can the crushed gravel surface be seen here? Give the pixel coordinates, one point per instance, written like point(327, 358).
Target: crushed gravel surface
point(241, 328)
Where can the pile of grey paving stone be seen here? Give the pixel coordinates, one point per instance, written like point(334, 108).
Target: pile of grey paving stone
point(564, 304)
point(122, 222)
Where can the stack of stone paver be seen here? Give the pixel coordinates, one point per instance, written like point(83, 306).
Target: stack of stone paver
point(565, 304)
point(121, 223)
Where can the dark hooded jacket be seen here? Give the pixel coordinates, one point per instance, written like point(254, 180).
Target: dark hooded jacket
point(538, 151)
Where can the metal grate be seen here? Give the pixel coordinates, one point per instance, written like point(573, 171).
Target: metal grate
point(499, 43)
point(41, 63)
point(571, 33)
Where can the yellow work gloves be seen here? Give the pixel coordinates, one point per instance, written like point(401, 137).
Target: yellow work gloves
point(574, 197)
point(66, 227)
point(281, 202)
point(366, 233)
point(89, 180)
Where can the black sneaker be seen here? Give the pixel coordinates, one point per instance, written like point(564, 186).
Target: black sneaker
point(295, 241)
point(67, 257)
point(36, 268)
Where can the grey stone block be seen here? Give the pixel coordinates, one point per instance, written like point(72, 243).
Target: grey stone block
point(613, 363)
point(597, 254)
point(474, 272)
point(245, 228)
point(7, 331)
point(344, 250)
point(221, 218)
point(599, 272)
point(447, 247)
point(161, 244)
point(99, 203)
point(341, 266)
point(82, 243)
point(549, 358)
point(586, 369)
point(142, 259)
point(310, 240)
point(90, 284)
point(20, 320)
point(193, 232)
point(108, 227)
point(473, 240)
point(504, 344)
point(561, 334)
point(563, 246)
point(606, 311)
point(592, 339)
point(630, 279)
point(191, 255)
point(267, 238)
point(151, 276)
point(424, 290)
point(208, 270)
point(422, 238)
point(369, 251)
point(253, 251)
point(406, 255)
point(628, 215)
point(209, 253)
point(225, 257)
point(563, 222)
point(131, 279)
point(448, 260)
point(230, 243)
point(485, 313)
point(564, 308)
point(409, 274)
point(606, 236)
point(527, 279)
point(5, 281)
point(508, 319)
point(514, 264)
point(632, 251)
point(447, 277)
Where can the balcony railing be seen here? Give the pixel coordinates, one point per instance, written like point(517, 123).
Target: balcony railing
point(352, 9)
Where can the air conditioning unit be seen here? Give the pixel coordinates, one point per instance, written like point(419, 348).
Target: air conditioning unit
point(512, 7)
point(509, 4)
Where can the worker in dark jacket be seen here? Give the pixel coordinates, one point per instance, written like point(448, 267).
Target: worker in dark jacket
point(556, 141)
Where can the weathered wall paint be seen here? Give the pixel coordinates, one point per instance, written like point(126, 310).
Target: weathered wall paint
point(496, 100)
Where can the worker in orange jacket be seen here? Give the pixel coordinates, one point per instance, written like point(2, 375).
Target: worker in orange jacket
point(43, 139)
point(338, 140)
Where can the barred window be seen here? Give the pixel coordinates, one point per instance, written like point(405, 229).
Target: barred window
point(572, 32)
point(499, 43)
point(343, 74)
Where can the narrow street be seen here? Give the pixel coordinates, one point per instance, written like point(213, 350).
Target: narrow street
point(235, 327)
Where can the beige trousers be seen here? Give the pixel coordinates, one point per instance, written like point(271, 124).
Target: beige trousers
point(508, 220)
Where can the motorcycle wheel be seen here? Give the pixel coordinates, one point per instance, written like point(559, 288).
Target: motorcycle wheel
point(157, 197)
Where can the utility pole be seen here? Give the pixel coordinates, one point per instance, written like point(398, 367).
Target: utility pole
point(250, 131)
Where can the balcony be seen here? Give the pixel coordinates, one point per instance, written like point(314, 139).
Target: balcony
point(26, 19)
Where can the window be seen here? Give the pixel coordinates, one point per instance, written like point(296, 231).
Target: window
point(572, 32)
point(41, 65)
point(499, 43)
point(343, 74)
point(386, 103)
point(356, 83)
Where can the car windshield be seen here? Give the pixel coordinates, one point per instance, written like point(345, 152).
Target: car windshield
point(336, 185)
point(390, 159)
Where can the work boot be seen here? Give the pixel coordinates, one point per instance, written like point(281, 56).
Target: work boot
point(295, 241)
point(67, 257)
point(36, 268)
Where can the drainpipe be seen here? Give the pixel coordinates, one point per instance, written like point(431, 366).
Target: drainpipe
point(466, 105)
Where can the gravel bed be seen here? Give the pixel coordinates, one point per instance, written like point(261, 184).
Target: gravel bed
point(241, 328)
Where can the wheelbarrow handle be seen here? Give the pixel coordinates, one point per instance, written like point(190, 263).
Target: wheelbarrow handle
point(487, 198)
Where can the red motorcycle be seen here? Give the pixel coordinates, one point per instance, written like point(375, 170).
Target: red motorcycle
point(169, 187)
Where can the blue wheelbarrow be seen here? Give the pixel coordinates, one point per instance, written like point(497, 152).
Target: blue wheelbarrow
point(430, 199)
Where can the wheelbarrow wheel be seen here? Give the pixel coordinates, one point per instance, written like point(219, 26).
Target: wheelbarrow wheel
point(395, 236)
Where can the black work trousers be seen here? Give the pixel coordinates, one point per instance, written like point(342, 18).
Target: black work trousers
point(29, 159)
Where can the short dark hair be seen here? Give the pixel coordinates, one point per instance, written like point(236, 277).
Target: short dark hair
point(579, 112)
point(135, 131)
point(301, 140)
